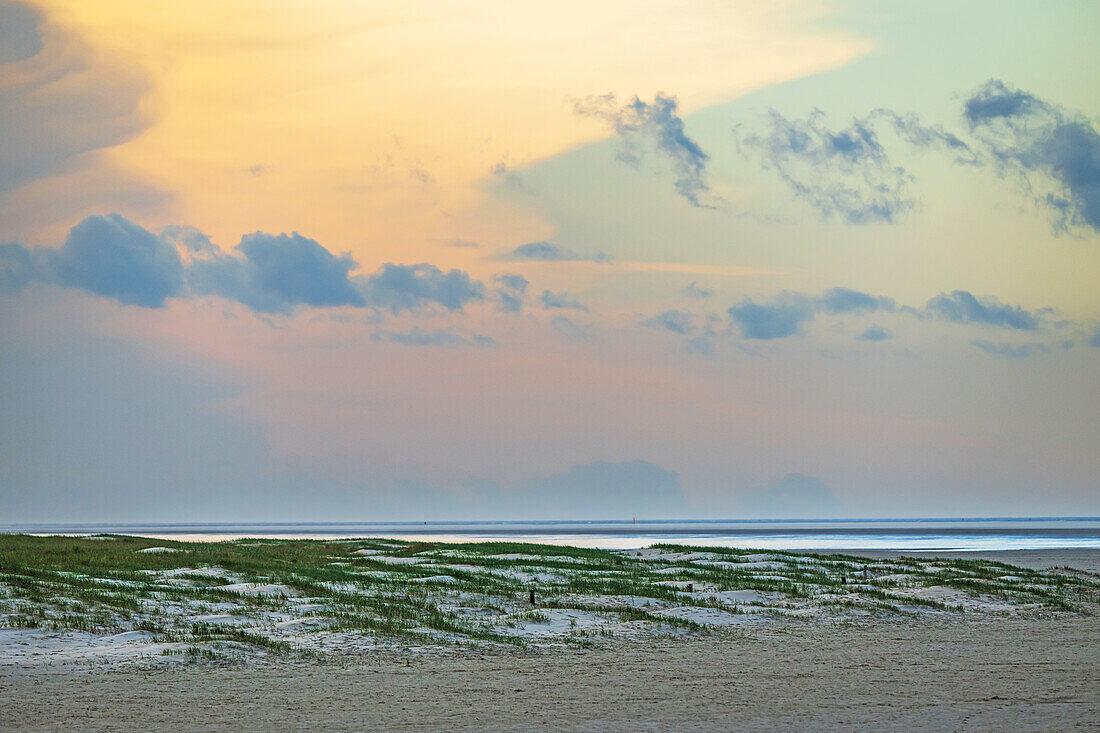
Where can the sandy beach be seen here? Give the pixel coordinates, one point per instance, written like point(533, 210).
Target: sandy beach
point(946, 672)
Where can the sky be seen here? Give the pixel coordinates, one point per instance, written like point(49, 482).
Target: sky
point(287, 261)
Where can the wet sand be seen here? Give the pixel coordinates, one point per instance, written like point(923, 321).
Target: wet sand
point(938, 673)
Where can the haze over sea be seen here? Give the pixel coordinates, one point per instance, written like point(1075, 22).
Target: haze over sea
point(977, 534)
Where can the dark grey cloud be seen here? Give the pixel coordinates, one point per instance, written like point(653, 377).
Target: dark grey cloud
point(561, 301)
point(548, 252)
point(660, 122)
point(849, 172)
point(681, 322)
point(511, 291)
point(113, 257)
point(874, 333)
point(438, 337)
point(1038, 139)
point(1014, 351)
point(59, 98)
point(962, 307)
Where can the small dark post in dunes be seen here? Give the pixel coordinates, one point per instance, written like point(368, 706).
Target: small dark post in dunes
point(691, 587)
point(532, 596)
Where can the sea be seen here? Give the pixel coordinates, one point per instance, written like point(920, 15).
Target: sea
point(948, 534)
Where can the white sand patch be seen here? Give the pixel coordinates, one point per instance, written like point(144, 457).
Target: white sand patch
point(160, 550)
point(657, 554)
point(401, 560)
point(538, 558)
point(223, 619)
point(369, 552)
point(671, 571)
point(436, 579)
point(706, 616)
point(212, 571)
point(259, 589)
point(306, 623)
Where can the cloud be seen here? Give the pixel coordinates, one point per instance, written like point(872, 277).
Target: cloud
point(511, 291)
point(660, 122)
point(691, 290)
point(843, 300)
point(874, 333)
point(113, 257)
point(962, 307)
point(794, 496)
point(438, 337)
point(677, 321)
point(848, 172)
point(1014, 351)
point(700, 345)
point(59, 98)
point(17, 268)
point(575, 331)
point(103, 255)
point(604, 490)
point(274, 273)
point(552, 301)
point(411, 287)
point(1030, 136)
point(780, 318)
point(547, 252)
point(1094, 339)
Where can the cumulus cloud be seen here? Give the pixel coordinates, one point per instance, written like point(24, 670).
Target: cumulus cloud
point(848, 172)
point(561, 301)
point(276, 273)
point(1057, 153)
point(782, 317)
point(439, 337)
point(1094, 339)
point(787, 313)
point(844, 300)
point(511, 291)
point(962, 307)
point(59, 98)
point(104, 255)
point(116, 258)
point(659, 122)
point(548, 252)
point(411, 287)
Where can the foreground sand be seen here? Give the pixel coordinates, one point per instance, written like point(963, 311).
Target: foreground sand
point(1006, 674)
point(931, 673)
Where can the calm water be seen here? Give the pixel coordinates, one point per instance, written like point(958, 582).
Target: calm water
point(884, 534)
